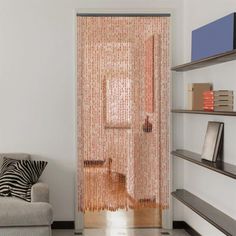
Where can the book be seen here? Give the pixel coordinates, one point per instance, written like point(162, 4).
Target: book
point(209, 93)
point(223, 93)
point(190, 97)
point(223, 108)
point(223, 103)
point(195, 95)
point(224, 98)
point(206, 97)
point(213, 143)
point(208, 108)
point(209, 103)
point(221, 100)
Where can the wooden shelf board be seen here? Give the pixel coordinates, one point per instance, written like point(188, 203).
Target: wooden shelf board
point(220, 166)
point(220, 220)
point(221, 113)
point(217, 59)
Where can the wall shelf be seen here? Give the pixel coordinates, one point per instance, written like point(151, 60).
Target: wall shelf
point(220, 113)
point(217, 59)
point(221, 221)
point(220, 166)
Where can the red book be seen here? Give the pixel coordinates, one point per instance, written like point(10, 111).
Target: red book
point(208, 108)
point(208, 100)
point(208, 103)
point(208, 97)
point(210, 92)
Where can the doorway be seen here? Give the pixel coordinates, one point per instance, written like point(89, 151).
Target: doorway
point(123, 122)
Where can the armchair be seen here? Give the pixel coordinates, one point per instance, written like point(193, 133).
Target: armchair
point(21, 218)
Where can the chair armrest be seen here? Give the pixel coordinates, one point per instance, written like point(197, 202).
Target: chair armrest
point(40, 192)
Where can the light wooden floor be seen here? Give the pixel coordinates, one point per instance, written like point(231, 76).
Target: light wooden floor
point(146, 217)
point(103, 190)
point(122, 232)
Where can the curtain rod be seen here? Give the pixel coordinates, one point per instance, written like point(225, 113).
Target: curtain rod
point(123, 14)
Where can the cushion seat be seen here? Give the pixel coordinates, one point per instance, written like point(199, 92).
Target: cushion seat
point(17, 212)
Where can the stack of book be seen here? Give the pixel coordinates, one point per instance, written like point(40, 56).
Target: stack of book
point(223, 100)
point(208, 101)
point(195, 98)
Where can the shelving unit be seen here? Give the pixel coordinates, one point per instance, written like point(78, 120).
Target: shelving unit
point(220, 167)
point(216, 113)
point(221, 221)
point(220, 58)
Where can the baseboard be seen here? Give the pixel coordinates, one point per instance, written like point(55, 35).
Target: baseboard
point(186, 227)
point(63, 225)
point(176, 225)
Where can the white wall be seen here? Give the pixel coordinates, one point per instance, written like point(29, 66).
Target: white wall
point(37, 84)
point(37, 96)
point(214, 188)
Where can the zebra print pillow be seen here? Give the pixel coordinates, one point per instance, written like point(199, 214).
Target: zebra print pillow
point(7, 164)
point(19, 178)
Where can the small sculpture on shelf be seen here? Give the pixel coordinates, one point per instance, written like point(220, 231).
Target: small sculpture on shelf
point(147, 126)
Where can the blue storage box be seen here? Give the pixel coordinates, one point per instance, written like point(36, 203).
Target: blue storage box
point(214, 38)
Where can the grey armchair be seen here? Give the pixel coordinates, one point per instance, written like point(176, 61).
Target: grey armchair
point(21, 218)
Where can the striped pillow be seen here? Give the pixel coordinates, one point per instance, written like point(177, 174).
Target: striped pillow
point(7, 164)
point(19, 178)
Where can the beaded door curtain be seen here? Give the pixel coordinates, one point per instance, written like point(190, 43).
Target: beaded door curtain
point(123, 112)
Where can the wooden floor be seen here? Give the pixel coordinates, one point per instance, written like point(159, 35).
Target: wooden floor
point(123, 232)
point(104, 190)
point(147, 217)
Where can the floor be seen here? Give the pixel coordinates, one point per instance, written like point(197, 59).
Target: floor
point(119, 222)
point(112, 192)
point(103, 189)
point(123, 232)
point(145, 217)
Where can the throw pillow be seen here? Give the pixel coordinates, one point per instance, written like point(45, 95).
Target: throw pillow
point(19, 178)
point(7, 164)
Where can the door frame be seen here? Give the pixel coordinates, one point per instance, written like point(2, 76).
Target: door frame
point(167, 215)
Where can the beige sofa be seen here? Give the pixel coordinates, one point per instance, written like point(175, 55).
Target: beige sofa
point(21, 218)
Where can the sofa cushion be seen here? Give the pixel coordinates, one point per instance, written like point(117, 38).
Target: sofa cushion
point(16, 212)
point(19, 177)
point(7, 164)
point(16, 156)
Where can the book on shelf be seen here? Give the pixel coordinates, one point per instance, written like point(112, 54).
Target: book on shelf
point(223, 93)
point(213, 143)
point(223, 108)
point(224, 100)
point(223, 97)
point(195, 95)
point(208, 108)
point(221, 100)
point(208, 101)
point(209, 93)
point(223, 103)
point(206, 97)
